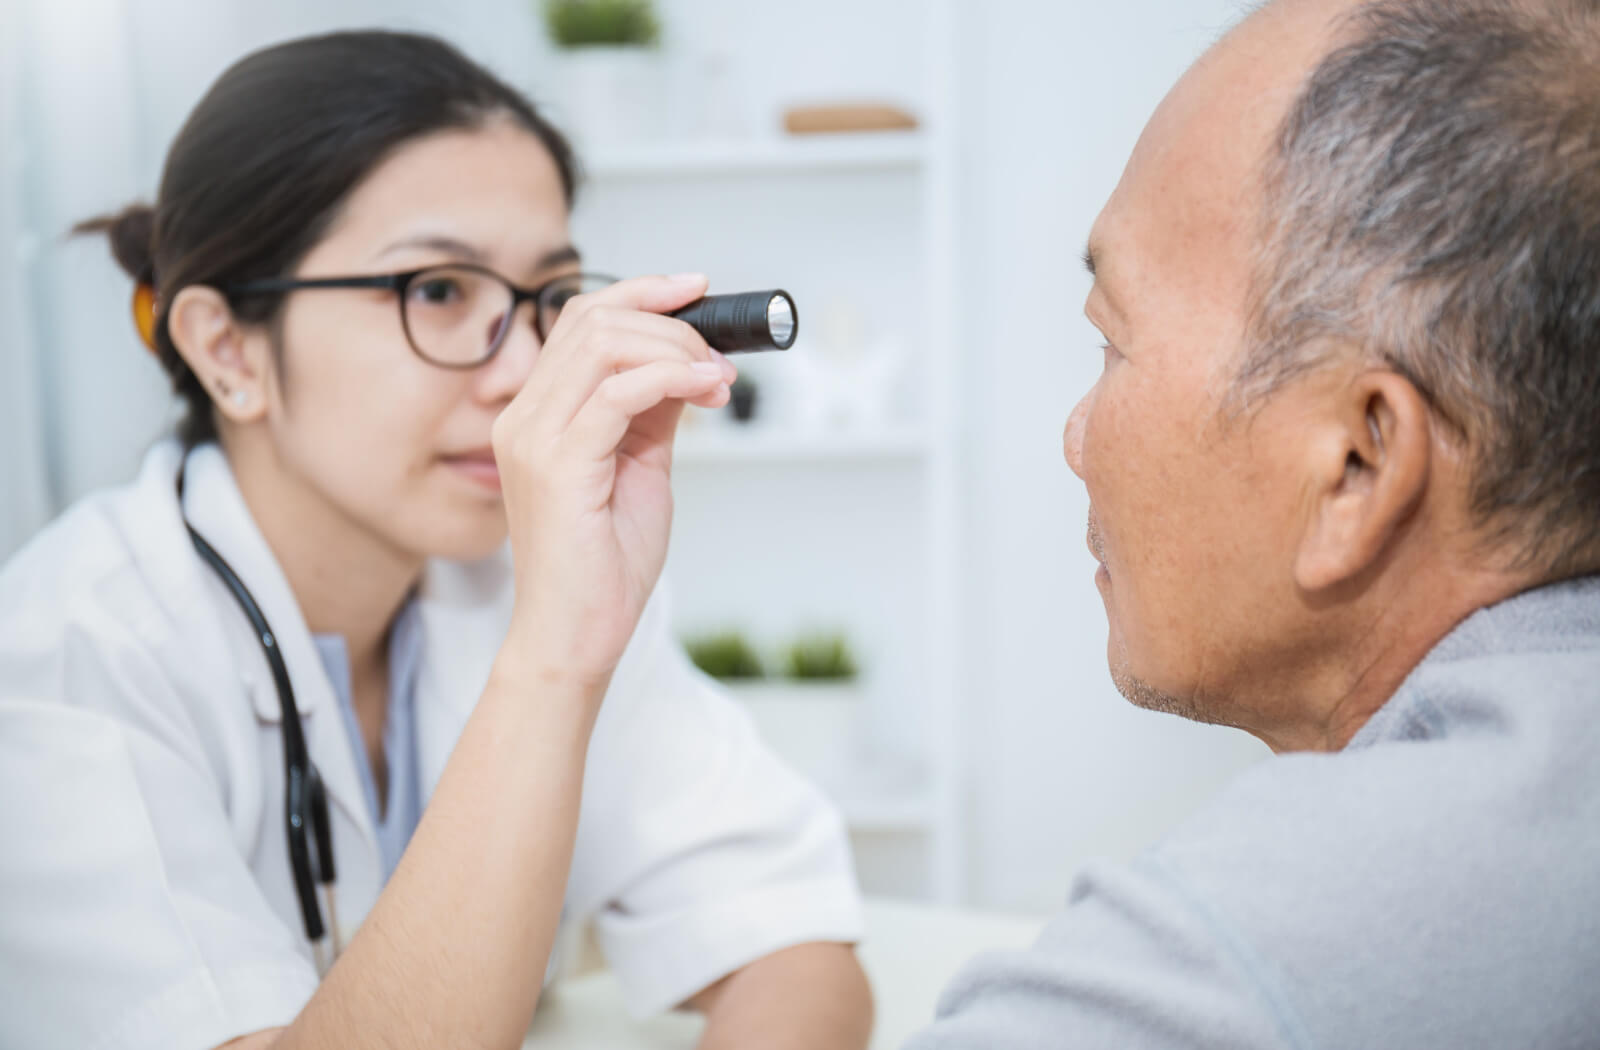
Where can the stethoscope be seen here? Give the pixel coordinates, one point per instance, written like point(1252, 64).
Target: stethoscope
point(305, 799)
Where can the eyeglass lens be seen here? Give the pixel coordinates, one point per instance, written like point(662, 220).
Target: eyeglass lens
point(458, 316)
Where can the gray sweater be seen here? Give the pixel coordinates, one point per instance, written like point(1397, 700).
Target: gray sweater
point(1434, 884)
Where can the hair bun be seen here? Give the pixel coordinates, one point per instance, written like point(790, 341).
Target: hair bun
point(132, 234)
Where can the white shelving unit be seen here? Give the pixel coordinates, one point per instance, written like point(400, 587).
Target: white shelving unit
point(781, 529)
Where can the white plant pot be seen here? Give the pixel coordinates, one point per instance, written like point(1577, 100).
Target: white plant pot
point(810, 725)
point(611, 95)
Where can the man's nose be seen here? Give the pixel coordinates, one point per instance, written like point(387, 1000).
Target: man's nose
point(1072, 440)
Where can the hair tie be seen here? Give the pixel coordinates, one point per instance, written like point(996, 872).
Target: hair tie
point(144, 314)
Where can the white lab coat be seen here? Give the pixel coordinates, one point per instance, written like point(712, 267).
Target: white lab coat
point(145, 890)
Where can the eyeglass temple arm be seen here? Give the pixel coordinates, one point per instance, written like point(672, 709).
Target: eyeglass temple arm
point(276, 285)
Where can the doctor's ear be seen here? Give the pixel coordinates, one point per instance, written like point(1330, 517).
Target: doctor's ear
point(230, 360)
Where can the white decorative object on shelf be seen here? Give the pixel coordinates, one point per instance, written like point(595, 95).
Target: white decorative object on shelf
point(718, 107)
point(811, 725)
point(844, 378)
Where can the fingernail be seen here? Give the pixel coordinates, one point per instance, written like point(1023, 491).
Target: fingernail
point(728, 367)
point(709, 369)
point(687, 278)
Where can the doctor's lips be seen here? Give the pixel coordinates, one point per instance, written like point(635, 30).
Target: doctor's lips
point(476, 464)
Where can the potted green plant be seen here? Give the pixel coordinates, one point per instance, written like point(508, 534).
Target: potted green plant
point(608, 67)
point(602, 23)
point(809, 714)
point(820, 658)
point(726, 656)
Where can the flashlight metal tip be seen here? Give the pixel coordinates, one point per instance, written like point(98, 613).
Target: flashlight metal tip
point(781, 321)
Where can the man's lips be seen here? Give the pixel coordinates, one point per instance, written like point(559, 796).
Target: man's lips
point(1096, 542)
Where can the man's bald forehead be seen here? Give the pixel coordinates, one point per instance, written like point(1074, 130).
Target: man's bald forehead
point(1192, 187)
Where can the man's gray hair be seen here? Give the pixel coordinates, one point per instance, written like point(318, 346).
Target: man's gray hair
point(1433, 202)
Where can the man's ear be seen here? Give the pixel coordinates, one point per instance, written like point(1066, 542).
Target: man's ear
point(231, 363)
point(1369, 465)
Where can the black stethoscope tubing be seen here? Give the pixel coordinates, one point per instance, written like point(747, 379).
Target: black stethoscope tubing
point(305, 799)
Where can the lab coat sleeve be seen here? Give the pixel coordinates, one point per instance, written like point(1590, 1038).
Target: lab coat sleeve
point(130, 917)
point(699, 851)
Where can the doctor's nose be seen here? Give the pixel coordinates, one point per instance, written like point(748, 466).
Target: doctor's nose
point(504, 374)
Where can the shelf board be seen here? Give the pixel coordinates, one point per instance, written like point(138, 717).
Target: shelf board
point(886, 813)
point(721, 445)
point(861, 151)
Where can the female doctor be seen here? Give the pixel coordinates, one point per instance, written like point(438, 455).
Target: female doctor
point(358, 275)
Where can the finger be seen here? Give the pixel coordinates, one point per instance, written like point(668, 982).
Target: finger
point(601, 343)
point(716, 399)
point(553, 395)
point(629, 341)
point(604, 420)
point(655, 295)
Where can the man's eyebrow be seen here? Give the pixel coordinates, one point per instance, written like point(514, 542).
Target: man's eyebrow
point(471, 253)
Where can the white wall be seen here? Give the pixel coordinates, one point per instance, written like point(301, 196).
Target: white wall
point(1056, 94)
point(24, 493)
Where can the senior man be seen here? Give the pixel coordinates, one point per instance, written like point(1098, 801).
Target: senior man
point(1344, 463)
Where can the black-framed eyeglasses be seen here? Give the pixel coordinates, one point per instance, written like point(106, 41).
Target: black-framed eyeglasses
point(455, 315)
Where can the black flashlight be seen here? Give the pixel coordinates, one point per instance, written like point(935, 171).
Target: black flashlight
point(744, 323)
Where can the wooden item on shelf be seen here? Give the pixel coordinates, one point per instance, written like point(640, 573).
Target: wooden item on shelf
point(846, 116)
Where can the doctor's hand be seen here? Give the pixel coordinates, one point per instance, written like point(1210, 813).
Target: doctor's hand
point(585, 452)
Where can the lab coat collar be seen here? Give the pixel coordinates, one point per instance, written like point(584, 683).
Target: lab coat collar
point(214, 506)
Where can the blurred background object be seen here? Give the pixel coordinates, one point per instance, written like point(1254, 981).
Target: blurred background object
point(846, 116)
point(901, 477)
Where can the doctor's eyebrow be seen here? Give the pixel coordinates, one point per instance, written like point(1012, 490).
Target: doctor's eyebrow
point(471, 253)
point(441, 244)
point(564, 254)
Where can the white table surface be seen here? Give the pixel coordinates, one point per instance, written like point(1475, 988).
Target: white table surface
point(910, 953)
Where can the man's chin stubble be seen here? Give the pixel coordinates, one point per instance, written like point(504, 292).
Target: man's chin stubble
point(1140, 693)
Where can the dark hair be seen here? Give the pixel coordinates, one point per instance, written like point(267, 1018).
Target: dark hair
point(1434, 199)
point(264, 162)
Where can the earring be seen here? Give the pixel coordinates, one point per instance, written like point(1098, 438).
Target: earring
point(240, 398)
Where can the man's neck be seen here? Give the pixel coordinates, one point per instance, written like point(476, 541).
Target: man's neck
point(1383, 641)
point(347, 581)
